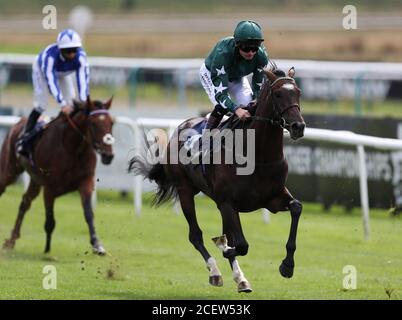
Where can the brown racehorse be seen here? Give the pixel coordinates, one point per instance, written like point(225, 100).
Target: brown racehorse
point(277, 108)
point(64, 160)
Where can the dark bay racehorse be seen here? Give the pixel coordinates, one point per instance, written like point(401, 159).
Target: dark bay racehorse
point(64, 160)
point(277, 108)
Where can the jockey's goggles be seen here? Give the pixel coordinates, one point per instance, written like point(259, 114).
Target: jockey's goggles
point(69, 50)
point(249, 48)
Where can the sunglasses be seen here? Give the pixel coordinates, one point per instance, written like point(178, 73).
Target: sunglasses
point(69, 50)
point(249, 48)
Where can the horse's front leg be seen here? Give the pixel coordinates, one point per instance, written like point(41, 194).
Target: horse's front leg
point(281, 203)
point(86, 190)
point(233, 243)
point(50, 222)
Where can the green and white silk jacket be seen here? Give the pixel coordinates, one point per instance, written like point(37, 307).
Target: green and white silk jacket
point(226, 65)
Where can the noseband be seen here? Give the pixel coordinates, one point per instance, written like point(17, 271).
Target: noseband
point(278, 118)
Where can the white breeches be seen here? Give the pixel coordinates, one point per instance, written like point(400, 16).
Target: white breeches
point(41, 91)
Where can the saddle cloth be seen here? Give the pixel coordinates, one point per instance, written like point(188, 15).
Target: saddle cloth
point(198, 129)
point(194, 143)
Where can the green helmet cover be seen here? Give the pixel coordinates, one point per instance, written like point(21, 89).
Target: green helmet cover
point(248, 30)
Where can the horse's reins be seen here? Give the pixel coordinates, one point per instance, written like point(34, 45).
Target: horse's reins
point(281, 121)
point(74, 126)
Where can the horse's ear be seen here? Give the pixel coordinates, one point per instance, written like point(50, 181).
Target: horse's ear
point(109, 103)
point(90, 105)
point(291, 72)
point(271, 76)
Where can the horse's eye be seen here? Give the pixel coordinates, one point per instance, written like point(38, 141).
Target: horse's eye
point(277, 94)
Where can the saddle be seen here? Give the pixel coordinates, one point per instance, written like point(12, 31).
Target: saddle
point(193, 144)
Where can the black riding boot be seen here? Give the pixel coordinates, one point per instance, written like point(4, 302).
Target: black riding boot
point(30, 125)
point(215, 117)
point(213, 122)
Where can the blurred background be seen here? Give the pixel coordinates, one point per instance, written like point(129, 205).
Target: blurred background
point(147, 54)
point(293, 29)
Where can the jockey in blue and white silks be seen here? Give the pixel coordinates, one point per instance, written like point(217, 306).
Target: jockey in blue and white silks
point(54, 71)
point(56, 67)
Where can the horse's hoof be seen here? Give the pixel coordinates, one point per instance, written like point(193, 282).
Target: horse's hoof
point(244, 286)
point(286, 271)
point(99, 250)
point(8, 245)
point(216, 281)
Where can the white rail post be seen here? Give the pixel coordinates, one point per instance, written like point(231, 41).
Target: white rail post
point(364, 190)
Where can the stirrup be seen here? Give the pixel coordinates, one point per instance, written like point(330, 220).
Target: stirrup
point(22, 151)
point(20, 146)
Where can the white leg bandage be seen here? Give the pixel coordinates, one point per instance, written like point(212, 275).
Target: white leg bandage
point(238, 275)
point(213, 267)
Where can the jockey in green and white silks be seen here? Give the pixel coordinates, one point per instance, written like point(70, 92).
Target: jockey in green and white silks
point(224, 73)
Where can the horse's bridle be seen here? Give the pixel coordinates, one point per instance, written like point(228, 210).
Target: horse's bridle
point(83, 136)
point(278, 118)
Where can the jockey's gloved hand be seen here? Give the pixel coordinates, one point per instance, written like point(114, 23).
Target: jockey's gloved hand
point(241, 113)
point(252, 107)
point(252, 103)
point(67, 109)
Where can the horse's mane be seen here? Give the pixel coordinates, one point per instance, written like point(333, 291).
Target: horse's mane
point(265, 90)
point(279, 73)
point(266, 87)
point(80, 106)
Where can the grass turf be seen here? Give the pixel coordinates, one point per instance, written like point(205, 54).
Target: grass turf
point(149, 257)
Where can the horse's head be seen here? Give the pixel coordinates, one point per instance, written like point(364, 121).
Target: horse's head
point(284, 97)
point(100, 128)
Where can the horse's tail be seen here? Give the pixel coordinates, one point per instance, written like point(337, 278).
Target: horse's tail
point(10, 168)
point(166, 191)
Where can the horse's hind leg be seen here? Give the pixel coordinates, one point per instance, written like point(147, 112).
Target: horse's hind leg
point(31, 193)
point(281, 203)
point(233, 243)
point(195, 234)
